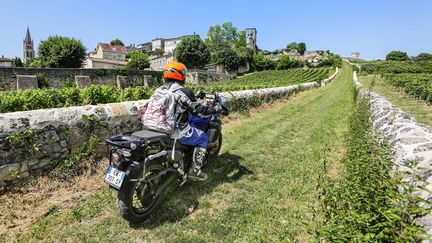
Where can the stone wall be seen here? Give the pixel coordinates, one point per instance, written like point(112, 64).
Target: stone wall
point(324, 82)
point(61, 77)
point(202, 78)
point(411, 143)
point(60, 134)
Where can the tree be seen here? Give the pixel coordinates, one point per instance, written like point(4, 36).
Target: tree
point(221, 36)
point(16, 62)
point(332, 60)
point(228, 58)
point(117, 42)
point(263, 62)
point(138, 60)
point(241, 39)
point(61, 52)
point(397, 56)
point(423, 57)
point(245, 55)
point(284, 62)
point(292, 46)
point(159, 52)
point(301, 48)
point(34, 63)
point(193, 52)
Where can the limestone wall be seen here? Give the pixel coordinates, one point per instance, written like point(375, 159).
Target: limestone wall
point(61, 77)
point(411, 143)
point(329, 79)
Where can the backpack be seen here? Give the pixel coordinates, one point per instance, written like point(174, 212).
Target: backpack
point(159, 114)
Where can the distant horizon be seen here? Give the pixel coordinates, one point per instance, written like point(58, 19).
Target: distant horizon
point(372, 28)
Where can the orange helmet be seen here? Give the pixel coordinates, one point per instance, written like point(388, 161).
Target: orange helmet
point(175, 70)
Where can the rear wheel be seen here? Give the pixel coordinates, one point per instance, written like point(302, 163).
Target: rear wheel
point(138, 200)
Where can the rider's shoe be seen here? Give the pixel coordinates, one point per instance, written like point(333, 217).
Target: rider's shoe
point(197, 175)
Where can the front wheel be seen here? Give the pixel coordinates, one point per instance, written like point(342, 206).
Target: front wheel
point(137, 200)
point(214, 151)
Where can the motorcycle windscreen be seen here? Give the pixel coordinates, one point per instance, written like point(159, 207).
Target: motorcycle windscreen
point(199, 122)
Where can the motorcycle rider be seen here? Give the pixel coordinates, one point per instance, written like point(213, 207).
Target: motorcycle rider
point(187, 105)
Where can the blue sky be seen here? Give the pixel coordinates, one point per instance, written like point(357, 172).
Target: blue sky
point(372, 27)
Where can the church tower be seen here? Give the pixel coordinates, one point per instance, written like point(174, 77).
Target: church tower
point(28, 50)
point(251, 38)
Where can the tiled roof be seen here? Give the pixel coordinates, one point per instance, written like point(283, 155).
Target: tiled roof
point(112, 48)
point(95, 59)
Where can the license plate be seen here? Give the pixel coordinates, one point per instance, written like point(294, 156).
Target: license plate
point(114, 177)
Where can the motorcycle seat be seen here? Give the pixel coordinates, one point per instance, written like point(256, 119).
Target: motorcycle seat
point(150, 135)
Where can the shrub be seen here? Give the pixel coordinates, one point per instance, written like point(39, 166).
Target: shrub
point(365, 205)
point(263, 62)
point(397, 56)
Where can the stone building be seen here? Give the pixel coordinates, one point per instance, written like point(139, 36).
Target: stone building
point(5, 62)
point(28, 48)
point(251, 38)
point(355, 55)
point(157, 63)
point(106, 56)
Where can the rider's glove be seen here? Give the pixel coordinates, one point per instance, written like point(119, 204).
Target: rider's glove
point(218, 108)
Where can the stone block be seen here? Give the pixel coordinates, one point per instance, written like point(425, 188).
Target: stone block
point(148, 81)
point(26, 82)
point(122, 81)
point(82, 81)
point(9, 171)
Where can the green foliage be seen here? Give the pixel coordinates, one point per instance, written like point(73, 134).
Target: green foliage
point(159, 52)
point(415, 85)
point(34, 63)
point(117, 42)
point(365, 205)
point(138, 60)
point(25, 138)
point(285, 62)
point(423, 57)
point(99, 94)
point(241, 39)
point(395, 67)
point(16, 62)
point(263, 62)
point(23, 100)
point(245, 55)
point(299, 47)
point(228, 58)
point(137, 93)
point(221, 36)
point(61, 52)
point(267, 79)
point(332, 60)
point(397, 56)
point(193, 52)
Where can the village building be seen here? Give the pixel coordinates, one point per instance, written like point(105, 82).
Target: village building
point(5, 62)
point(107, 56)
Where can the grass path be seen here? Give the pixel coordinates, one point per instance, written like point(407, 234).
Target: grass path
point(262, 188)
point(418, 108)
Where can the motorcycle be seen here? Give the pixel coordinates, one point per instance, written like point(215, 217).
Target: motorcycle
point(143, 164)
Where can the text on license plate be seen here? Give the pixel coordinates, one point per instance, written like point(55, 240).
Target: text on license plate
point(114, 177)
